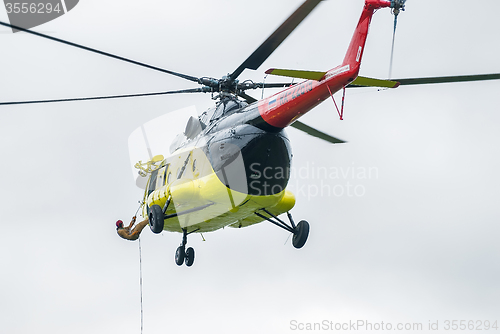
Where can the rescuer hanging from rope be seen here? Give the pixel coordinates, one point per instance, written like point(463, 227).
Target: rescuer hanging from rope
point(128, 232)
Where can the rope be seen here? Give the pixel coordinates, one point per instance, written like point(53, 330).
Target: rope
point(140, 205)
point(140, 270)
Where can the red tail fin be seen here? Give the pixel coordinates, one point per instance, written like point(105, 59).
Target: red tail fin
point(356, 48)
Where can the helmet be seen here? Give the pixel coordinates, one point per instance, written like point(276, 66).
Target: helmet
point(119, 223)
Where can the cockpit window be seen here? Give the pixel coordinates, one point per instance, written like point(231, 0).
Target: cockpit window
point(177, 142)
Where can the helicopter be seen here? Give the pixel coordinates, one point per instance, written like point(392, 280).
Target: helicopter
point(230, 167)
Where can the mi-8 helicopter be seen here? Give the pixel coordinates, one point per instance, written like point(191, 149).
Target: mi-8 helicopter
point(230, 167)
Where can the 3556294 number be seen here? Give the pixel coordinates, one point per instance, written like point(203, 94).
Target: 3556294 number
point(470, 325)
point(33, 8)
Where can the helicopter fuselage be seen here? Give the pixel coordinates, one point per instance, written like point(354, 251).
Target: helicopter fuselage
point(235, 159)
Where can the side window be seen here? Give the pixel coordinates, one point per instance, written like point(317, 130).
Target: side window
point(165, 174)
point(152, 182)
point(160, 179)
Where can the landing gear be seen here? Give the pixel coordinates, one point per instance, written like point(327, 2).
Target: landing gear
point(181, 254)
point(300, 235)
point(300, 231)
point(156, 219)
point(189, 260)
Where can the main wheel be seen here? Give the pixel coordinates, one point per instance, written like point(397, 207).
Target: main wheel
point(189, 257)
point(301, 234)
point(156, 221)
point(180, 254)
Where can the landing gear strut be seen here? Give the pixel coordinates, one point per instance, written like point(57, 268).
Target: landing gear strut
point(183, 255)
point(157, 217)
point(300, 231)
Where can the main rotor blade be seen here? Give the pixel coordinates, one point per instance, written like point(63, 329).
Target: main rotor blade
point(277, 85)
point(458, 78)
point(248, 98)
point(194, 90)
point(316, 133)
point(272, 42)
point(187, 77)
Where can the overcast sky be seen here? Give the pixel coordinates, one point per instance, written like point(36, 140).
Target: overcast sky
point(418, 242)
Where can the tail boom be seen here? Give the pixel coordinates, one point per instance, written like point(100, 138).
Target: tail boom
point(283, 108)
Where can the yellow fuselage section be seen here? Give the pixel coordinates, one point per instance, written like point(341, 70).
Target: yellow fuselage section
point(197, 186)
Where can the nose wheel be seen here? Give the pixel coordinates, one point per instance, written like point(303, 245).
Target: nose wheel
point(183, 255)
